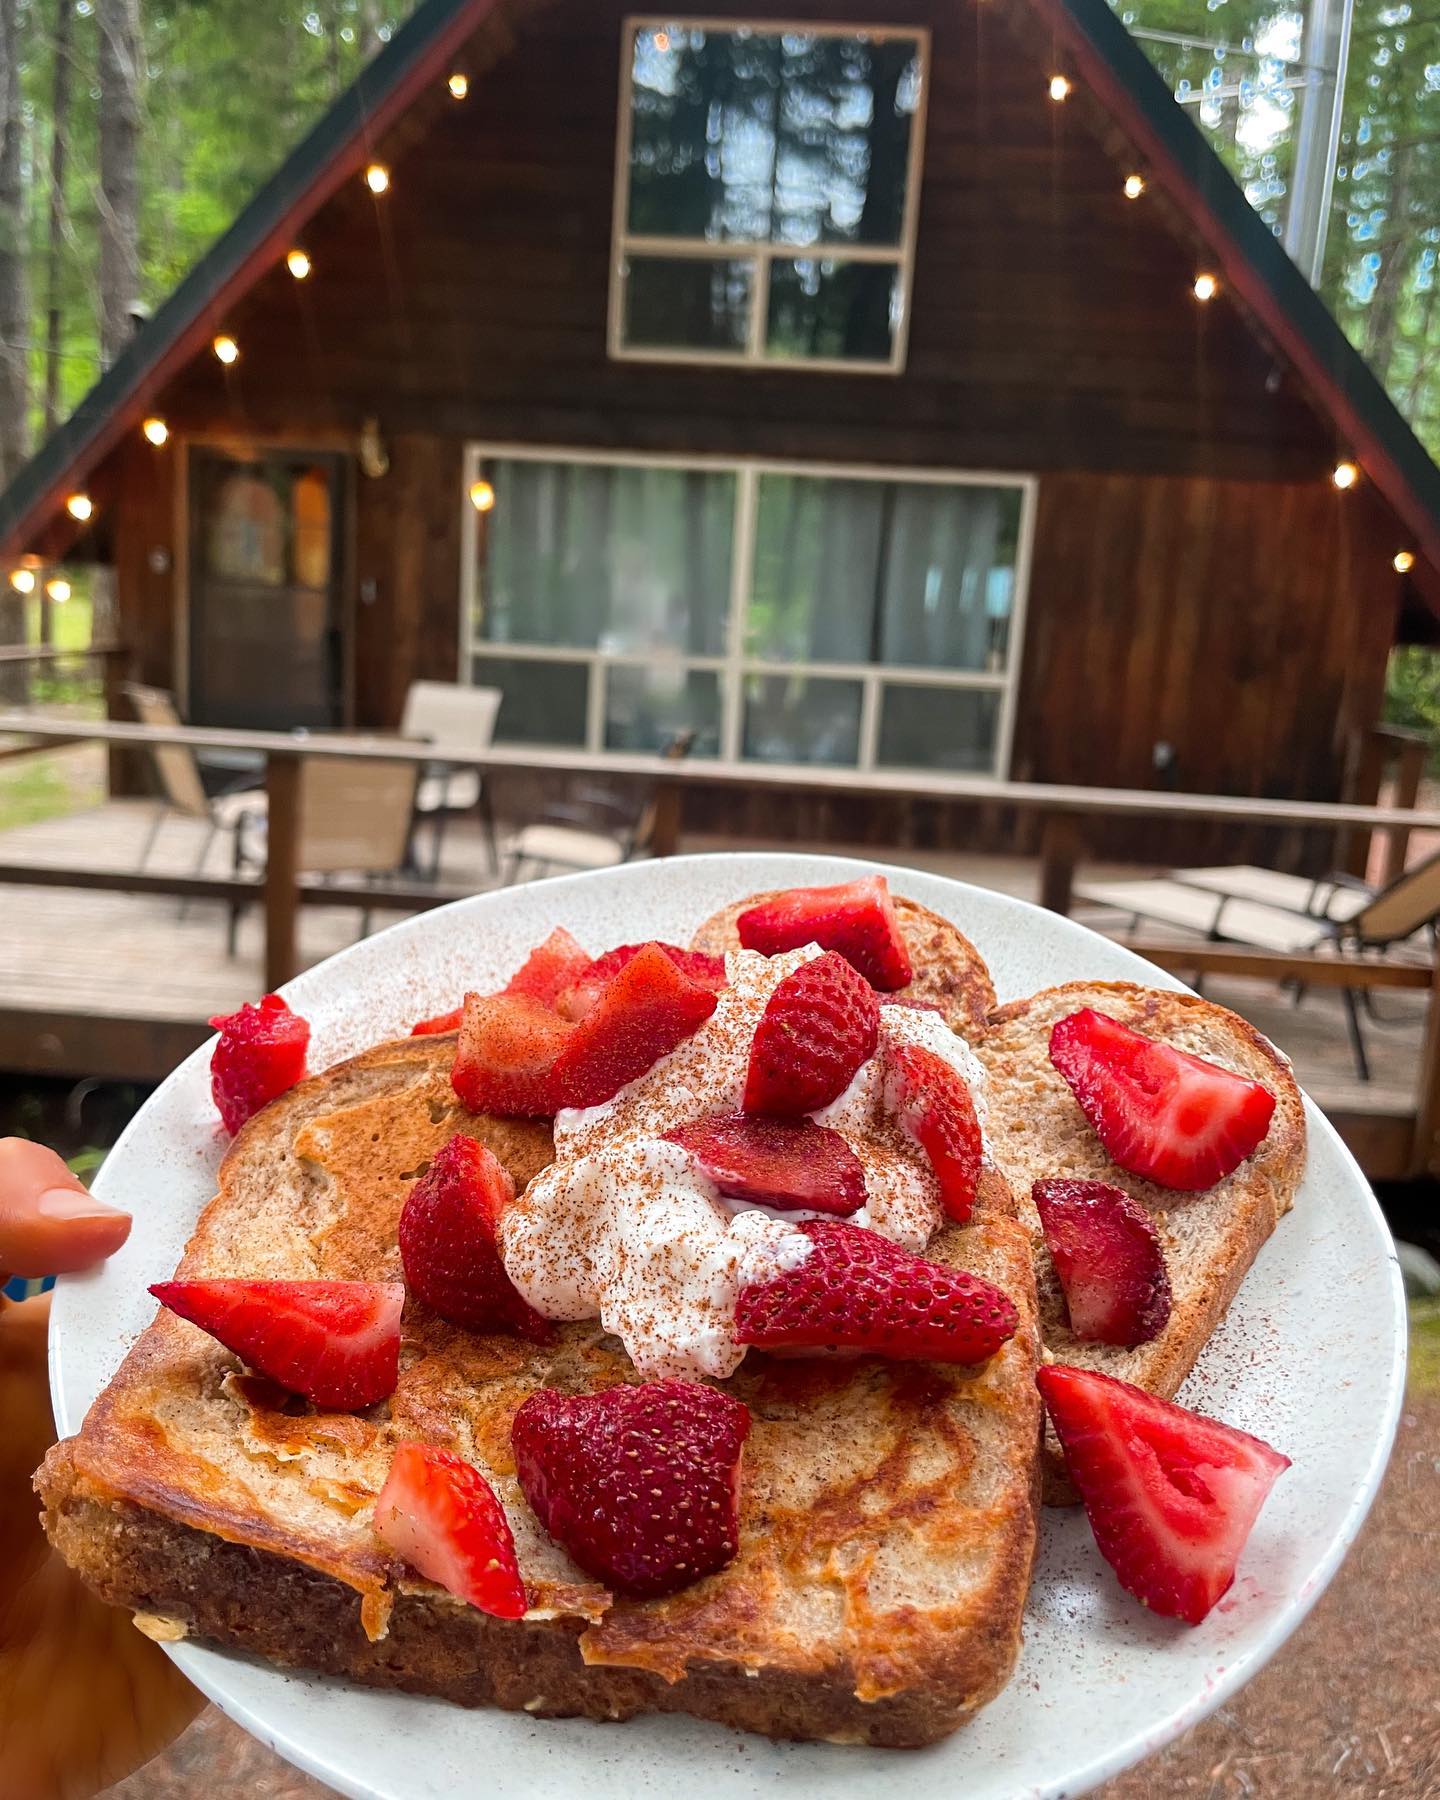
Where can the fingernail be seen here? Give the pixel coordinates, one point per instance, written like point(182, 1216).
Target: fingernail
point(74, 1203)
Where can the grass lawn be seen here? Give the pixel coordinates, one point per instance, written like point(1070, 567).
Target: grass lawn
point(68, 780)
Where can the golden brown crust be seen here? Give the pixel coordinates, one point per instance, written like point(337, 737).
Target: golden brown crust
point(888, 1510)
point(949, 972)
point(1036, 1129)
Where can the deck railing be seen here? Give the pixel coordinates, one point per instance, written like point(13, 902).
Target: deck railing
point(1411, 1144)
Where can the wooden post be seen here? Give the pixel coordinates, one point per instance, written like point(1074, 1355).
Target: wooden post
point(1425, 1156)
point(1365, 774)
point(282, 867)
point(1407, 791)
point(665, 829)
point(1061, 847)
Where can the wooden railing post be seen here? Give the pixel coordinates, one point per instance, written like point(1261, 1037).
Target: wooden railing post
point(1410, 769)
point(1061, 847)
point(665, 826)
point(282, 866)
point(1425, 1157)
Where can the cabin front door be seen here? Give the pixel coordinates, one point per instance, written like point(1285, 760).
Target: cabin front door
point(265, 589)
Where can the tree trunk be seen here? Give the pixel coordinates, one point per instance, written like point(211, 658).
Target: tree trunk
point(14, 289)
point(1384, 315)
point(59, 144)
point(119, 22)
point(370, 20)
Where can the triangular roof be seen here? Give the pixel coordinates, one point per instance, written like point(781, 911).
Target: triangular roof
point(1091, 43)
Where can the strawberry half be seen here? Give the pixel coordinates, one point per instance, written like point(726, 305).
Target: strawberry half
point(1109, 1258)
point(857, 918)
point(507, 1052)
point(858, 1291)
point(820, 1023)
point(1161, 1113)
point(933, 1104)
point(335, 1342)
point(260, 1055)
point(442, 1022)
point(793, 1165)
point(549, 968)
point(577, 999)
point(1171, 1496)
point(639, 1484)
point(640, 1015)
point(450, 1243)
point(441, 1515)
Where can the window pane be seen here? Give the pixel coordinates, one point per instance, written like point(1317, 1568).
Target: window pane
point(544, 702)
point(696, 304)
point(795, 137)
point(646, 708)
point(919, 574)
point(831, 309)
point(585, 555)
point(939, 728)
point(794, 718)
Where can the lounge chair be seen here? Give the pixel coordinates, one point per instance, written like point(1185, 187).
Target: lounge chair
point(177, 776)
point(1336, 897)
point(458, 719)
point(595, 829)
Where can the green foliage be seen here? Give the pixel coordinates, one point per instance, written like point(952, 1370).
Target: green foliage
point(1412, 692)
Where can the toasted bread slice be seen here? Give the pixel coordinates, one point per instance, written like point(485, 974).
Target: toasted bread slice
point(949, 972)
point(1035, 1129)
point(888, 1509)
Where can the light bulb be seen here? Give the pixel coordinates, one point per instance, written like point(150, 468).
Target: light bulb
point(23, 580)
point(661, 41)
point(58, 588)
point(298, 263)
point(482, 496)
point(1059, 87)
point(1345, 475)
point(1206, 287)
point(1134, 186)
point(156, 431)
point(226, 349)
point(459, 85)
point(377, 178)
point(80, 506)
point(1403, 564)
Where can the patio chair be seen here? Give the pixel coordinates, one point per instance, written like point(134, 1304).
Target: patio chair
point(596, 828)
point(1337, 897)
point(461, 719)
point(356, 815)
point(177, 776)
point(1385, 921)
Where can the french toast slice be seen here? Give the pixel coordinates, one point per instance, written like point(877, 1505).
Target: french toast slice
point(888, 1510)
point(949, 972)
point(1035, 1129)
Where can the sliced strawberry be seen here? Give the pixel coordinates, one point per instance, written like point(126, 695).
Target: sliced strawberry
point(793, 1165)
point(507, 1052)
point(441, 1515)
point(576, 1000)
point(819, 1025)
point(335, 1342)
point(260, 1055)
point(1171, 1496)
point(933, 1104)
point(1109, 1258)
point(442, 1022)
point(450, 1243)
point(639, 1484)
point(858, 1291)
point(1161, 1113)
point(857, 918)
point(648, 1008)
point(549, 968)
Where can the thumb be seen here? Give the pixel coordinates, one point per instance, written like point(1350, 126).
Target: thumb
point(49, 1221)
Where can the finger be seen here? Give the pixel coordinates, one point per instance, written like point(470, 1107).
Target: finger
point(49, 1221)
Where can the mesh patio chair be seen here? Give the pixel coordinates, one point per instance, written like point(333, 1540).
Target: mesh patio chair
point(453, 718)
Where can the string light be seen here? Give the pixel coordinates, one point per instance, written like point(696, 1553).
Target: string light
point(226, 349)
point(80, 506)
point(1345, 475)
point(1206, 287)
point(23, 580)
point(1404, 562)
point(58, 588)
point(459, 85)
point(1059, 87)
point(662, 41)
point(482, 496)
point(298, 263)
point(1134, 186)
point(377, 178)
point(156, 431)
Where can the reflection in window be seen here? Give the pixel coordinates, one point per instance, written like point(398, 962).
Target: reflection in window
point(671, 304)
point(647, 708)
point(542, 702)
point(772, 141)
point(791, 719)
point(938, 728)
point(245, 531)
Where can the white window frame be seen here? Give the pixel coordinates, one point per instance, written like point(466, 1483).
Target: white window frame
point(734, 665)
point(624, 244)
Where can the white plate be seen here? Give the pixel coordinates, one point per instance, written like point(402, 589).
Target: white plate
point(1311, 1358)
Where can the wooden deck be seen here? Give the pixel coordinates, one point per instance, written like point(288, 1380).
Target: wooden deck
point(112, 984)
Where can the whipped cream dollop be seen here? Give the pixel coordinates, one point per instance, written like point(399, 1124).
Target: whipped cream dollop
point(625, 1228)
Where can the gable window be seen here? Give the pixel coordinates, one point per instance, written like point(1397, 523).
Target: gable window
point(766, 189)
point(791, 613)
